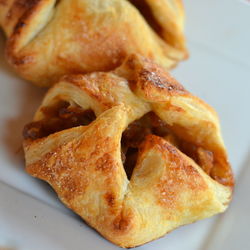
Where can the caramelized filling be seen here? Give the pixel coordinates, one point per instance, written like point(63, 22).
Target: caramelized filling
point(57, 118)
point(150, 123)
point(135, 134)
point(148, 15)
point(202, 157)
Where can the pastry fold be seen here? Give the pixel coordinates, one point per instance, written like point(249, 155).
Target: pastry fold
point(47, 38)
point(131, 151)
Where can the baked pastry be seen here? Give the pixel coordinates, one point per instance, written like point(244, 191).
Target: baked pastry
point(47, 39)
point(131, 151)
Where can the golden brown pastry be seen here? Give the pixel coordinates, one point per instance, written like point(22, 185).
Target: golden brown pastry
point(131, 151)
point(47, 39)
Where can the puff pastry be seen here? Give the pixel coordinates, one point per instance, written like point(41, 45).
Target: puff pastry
point(131, 151)
point(47, 39)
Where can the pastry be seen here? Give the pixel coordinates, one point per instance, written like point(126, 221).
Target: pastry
point(47, 39)
point(131, 151)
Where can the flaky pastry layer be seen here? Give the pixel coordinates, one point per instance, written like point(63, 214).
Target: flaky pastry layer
point(86, 164)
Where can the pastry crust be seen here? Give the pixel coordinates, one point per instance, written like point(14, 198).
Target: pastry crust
point(47, 38)
point(167, 187)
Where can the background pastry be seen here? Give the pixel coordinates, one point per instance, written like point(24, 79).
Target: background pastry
point(135, 157)
point(47, 39)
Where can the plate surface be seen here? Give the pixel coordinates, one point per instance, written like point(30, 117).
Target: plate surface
point(218, 70)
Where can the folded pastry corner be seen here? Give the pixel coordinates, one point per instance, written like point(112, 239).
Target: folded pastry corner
point(131, 151)
point(50, 38)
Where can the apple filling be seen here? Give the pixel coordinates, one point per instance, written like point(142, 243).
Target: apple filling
point(59, 117)
point(150, 123)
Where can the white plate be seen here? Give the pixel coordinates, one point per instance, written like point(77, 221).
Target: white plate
point(31, 217)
